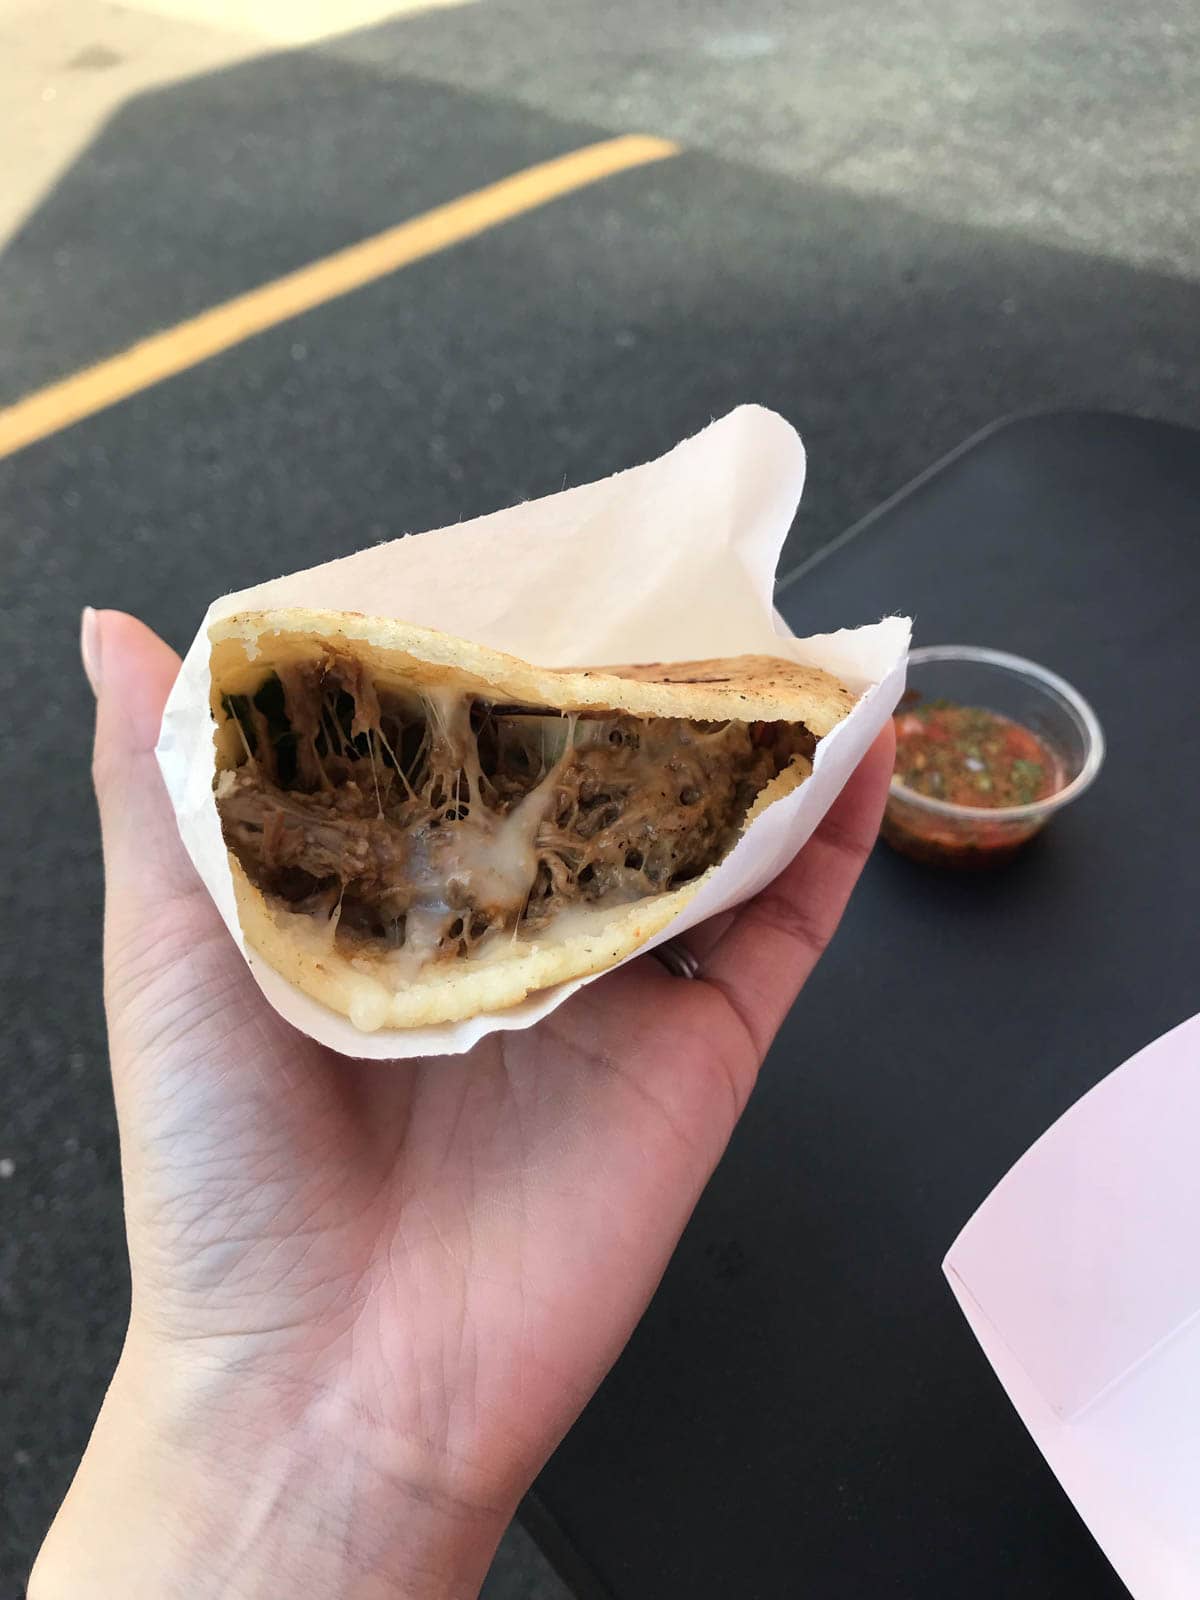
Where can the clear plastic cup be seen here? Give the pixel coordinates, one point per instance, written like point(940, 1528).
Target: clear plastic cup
point(943, 833)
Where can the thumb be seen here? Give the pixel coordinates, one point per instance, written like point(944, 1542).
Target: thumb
point(131, 672)
point(169, 968)
point(146, 869)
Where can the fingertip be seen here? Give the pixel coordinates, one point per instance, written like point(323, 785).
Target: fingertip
point(883, 751)
point(144, 859)
point(853, 818)
point(134, 673)
point(89, 647)
point(127, 644)
point(876, 768)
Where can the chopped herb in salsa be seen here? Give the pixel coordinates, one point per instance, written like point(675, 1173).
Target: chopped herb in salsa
point(972, 757)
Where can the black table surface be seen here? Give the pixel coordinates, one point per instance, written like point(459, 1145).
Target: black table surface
point(803, 1410)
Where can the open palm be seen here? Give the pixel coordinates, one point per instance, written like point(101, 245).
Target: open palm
point(438, 1259)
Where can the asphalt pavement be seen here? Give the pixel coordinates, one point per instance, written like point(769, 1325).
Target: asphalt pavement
point(893, 225)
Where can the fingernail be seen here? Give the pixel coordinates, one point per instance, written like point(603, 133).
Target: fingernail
point(89, 647)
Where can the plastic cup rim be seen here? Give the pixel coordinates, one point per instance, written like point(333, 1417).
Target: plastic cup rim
point(1034, 810)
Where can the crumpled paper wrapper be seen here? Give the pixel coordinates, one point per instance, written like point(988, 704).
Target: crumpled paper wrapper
point(670, 561)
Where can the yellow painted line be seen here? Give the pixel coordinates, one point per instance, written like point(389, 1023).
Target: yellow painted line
point(164, 354)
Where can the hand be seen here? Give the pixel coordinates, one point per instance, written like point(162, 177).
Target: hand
point(369, 1298)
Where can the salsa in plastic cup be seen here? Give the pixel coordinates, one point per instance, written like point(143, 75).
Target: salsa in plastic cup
point(989, 747)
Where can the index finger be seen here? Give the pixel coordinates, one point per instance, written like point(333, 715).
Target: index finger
point(761, 963)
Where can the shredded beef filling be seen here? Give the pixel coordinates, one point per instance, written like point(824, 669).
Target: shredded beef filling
point(433, 821)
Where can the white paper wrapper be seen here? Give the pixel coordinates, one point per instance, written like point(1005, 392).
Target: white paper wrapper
point(1080, 1277)
point(669, 561)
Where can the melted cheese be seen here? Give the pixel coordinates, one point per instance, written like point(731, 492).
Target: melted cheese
point(482, 859)
point(460, 864)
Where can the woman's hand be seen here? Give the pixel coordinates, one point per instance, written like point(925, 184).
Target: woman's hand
point(369, 1298)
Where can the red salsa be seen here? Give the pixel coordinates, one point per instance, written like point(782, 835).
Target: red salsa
point(971, 757)
point(968, 757)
